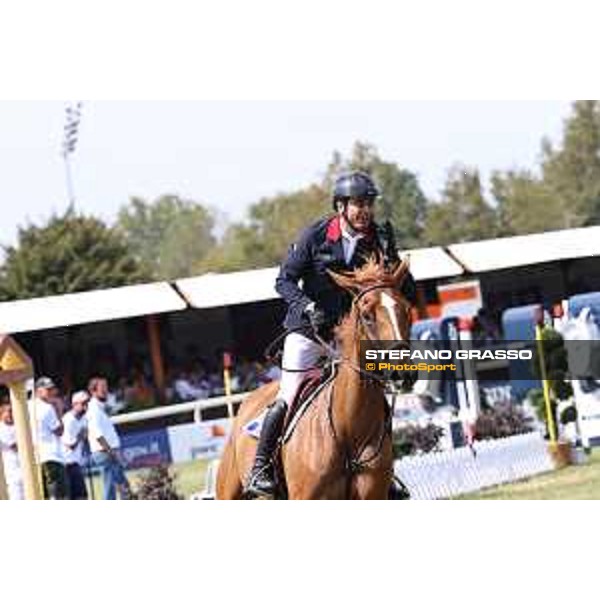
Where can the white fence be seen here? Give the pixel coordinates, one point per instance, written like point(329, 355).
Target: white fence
point(492, 462)
point(195, 407)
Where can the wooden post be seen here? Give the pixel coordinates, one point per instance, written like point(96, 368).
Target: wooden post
point(158, 369)
point(15, 369)
point(3, 486)
point(227, 364)
point(29, 468)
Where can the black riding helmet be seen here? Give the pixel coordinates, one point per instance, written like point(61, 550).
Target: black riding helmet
point(355, 184)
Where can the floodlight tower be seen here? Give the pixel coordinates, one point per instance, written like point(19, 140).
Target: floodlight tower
point(71, 131)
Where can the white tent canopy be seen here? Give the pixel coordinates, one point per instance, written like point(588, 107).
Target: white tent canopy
point(88, 307)
point(241, 287)
point(225, 289)
point(431, 263)
point(522, 250)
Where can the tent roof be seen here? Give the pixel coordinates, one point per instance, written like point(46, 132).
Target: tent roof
point(522, 250)
point(87, 307)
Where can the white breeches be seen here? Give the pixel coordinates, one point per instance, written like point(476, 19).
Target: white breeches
point(299, 352)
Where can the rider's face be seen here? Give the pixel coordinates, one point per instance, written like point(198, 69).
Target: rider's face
point(359, 213)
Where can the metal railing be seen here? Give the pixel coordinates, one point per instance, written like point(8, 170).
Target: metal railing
point(195, 407)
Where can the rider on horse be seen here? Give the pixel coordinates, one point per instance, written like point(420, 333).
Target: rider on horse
point(338, 243)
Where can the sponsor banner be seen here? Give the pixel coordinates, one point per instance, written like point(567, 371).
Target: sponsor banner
point(198, 440)
point(461, 299)
point(145, 448)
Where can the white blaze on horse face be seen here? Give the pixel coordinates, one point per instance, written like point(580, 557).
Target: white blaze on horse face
point(390, 305)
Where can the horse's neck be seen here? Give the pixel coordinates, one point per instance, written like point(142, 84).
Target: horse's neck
point(351, 391)
point(349, 346)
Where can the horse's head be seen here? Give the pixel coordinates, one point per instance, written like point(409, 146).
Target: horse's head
point(382, 311)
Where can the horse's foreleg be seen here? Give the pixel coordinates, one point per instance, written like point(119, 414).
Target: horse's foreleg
point(336, 489)
point(370, 485)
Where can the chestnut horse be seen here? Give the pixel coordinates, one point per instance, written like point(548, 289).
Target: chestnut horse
point(341, 448)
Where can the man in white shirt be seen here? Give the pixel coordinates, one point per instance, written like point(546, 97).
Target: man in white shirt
point(8, 451)
point(47, 431)
point(104, 442)
point(73, 439)
point(186, 390)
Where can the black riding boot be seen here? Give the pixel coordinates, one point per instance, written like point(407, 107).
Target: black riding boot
point(262, 477)
point(398, 491)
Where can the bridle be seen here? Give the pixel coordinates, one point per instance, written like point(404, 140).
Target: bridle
point(361, 320)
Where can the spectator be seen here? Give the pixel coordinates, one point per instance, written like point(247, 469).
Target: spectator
point(248, 375)
point(48, 430)
point(185, 389)
point(215, 381)
point(139, 394)
point(74, 439)
point(8, 451)
point(105, 443)
point(200, 380)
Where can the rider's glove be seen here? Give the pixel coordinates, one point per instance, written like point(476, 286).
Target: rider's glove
point(315, 315)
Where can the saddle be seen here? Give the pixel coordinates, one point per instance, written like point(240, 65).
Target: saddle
point(310, 387)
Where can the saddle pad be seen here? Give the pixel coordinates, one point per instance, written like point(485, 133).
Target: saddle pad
point(254, 427)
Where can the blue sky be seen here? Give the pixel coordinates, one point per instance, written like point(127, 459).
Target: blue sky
point(230, 154)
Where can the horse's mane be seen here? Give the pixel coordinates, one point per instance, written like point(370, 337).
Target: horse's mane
point(373, 271)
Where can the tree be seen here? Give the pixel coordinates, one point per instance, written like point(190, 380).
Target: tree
point(71, 253)
point(273, 225)
point(525, 203)
point(275, 222)
point(571, 172)
point(463, 215)
point(402, 203)
point(170, 235)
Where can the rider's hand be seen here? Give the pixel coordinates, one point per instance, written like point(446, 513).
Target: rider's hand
point(316, 316)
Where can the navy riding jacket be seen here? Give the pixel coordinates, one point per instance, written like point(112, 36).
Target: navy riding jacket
point(318, 249)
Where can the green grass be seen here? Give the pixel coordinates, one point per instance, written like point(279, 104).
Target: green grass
point(576, 482)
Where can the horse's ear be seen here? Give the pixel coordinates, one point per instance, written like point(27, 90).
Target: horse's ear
point(343, 280)
point(400, 270)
